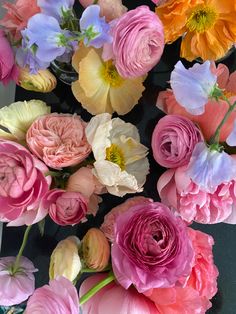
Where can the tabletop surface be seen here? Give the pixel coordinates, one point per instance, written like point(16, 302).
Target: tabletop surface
point(145, 116)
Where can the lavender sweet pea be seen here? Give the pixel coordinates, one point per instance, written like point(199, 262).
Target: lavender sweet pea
point(55, 8)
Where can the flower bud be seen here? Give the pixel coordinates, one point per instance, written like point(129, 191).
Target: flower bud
point(96, 249)
point(65, 260)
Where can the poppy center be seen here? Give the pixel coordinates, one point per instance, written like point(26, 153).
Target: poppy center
point(115, 154)
point(110, 74)
point(201, 19)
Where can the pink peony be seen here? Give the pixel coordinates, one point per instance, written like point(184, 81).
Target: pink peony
point(138, 42)
point(17, 287)
point(59, 140)
point(177, 190)
point(65, 208)
point(17, 16)
point(60, 296)
point(151, 248)
point(173, 141)
point(109, 220)
point(8, 69)
point(22, 185)
point(115, 299)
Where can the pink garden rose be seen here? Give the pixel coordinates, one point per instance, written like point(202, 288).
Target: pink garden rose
point(151, 248)
point(60, 296)
point(65, 208)
point(138, 42)
point(8, 69)
point(59, 140)
point(22, 185)
point(177, 190)
point(115, 299)
point(173, 141)
point(17, 287)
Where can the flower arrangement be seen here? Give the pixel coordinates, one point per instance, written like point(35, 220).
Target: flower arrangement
point(144, 256)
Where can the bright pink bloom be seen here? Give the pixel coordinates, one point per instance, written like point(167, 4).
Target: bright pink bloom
point(138, 42)
point(151, 248)
point(17, 16)
point(173, 141)
point(65, 208)
point(115, 299)
point(109, 220)
point(60, 296)
point(22, 185)
point(16, 288)
point(8, 69)
point(178, 191)
point(59, 140)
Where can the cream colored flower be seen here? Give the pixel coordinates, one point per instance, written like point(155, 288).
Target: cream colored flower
point(100, 88)
point(18, 117)
point(65, 260)
point(121, 164)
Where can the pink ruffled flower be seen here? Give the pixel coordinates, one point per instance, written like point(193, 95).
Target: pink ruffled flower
point(8, 69)
point(16, 288)
point(65, 208)
point(59, 140)
point(177, 190)
point(173, 141)
point(115, 299)
point(110, 219)
point(17, 16)
point(138, 42)
point(60, 296)
point(22, 185)
point(151, 248)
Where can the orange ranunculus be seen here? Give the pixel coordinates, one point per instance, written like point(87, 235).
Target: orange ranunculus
point(208, 27)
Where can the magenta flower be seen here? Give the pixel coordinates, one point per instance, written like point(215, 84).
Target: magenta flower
point(151, 248)
point(17, 287)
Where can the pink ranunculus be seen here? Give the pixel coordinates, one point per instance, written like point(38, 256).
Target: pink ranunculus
point(138, 42)
point(173, 141)
point(65, 208)
point(151, 248)
point(177, 190)
point(17, 287)
point(8, 69)
point(109, 220)
point(115, 299)
point(60, 296)
point(59, 140)
point(22, 185)
point(17, 16)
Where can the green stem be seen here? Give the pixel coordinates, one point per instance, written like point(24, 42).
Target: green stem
point(97, 288)
point(25, 238)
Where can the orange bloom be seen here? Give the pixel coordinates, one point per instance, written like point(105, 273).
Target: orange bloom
point(208, 27)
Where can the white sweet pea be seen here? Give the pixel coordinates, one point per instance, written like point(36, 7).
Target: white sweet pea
point(121, 164)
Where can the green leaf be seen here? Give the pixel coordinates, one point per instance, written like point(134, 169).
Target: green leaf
point(41, 226)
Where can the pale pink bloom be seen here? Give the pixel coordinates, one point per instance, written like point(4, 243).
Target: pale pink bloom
point(16, 288)
point(139, 48)
point(173, 141)
point(17, 16)
point(86, 183)
point(109, 220)
point(8, 69)
point(60, 296)
point(115, 299)
point(22, 185)
point(59, 140)
point(65, 208)
point(151, 248)
point(177, 190)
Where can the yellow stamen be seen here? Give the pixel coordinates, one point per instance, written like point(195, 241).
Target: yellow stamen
point(201, 19)
point(116, 155)
point(110, 74)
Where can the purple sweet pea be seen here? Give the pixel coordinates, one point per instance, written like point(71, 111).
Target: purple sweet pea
point(231, 139)
point(209, 168)
point(192, 87)
point(94, 27)
point(55, 8)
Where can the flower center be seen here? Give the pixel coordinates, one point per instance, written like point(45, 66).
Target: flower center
point(201, 19)
point(110, 74)
point(116, 155)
